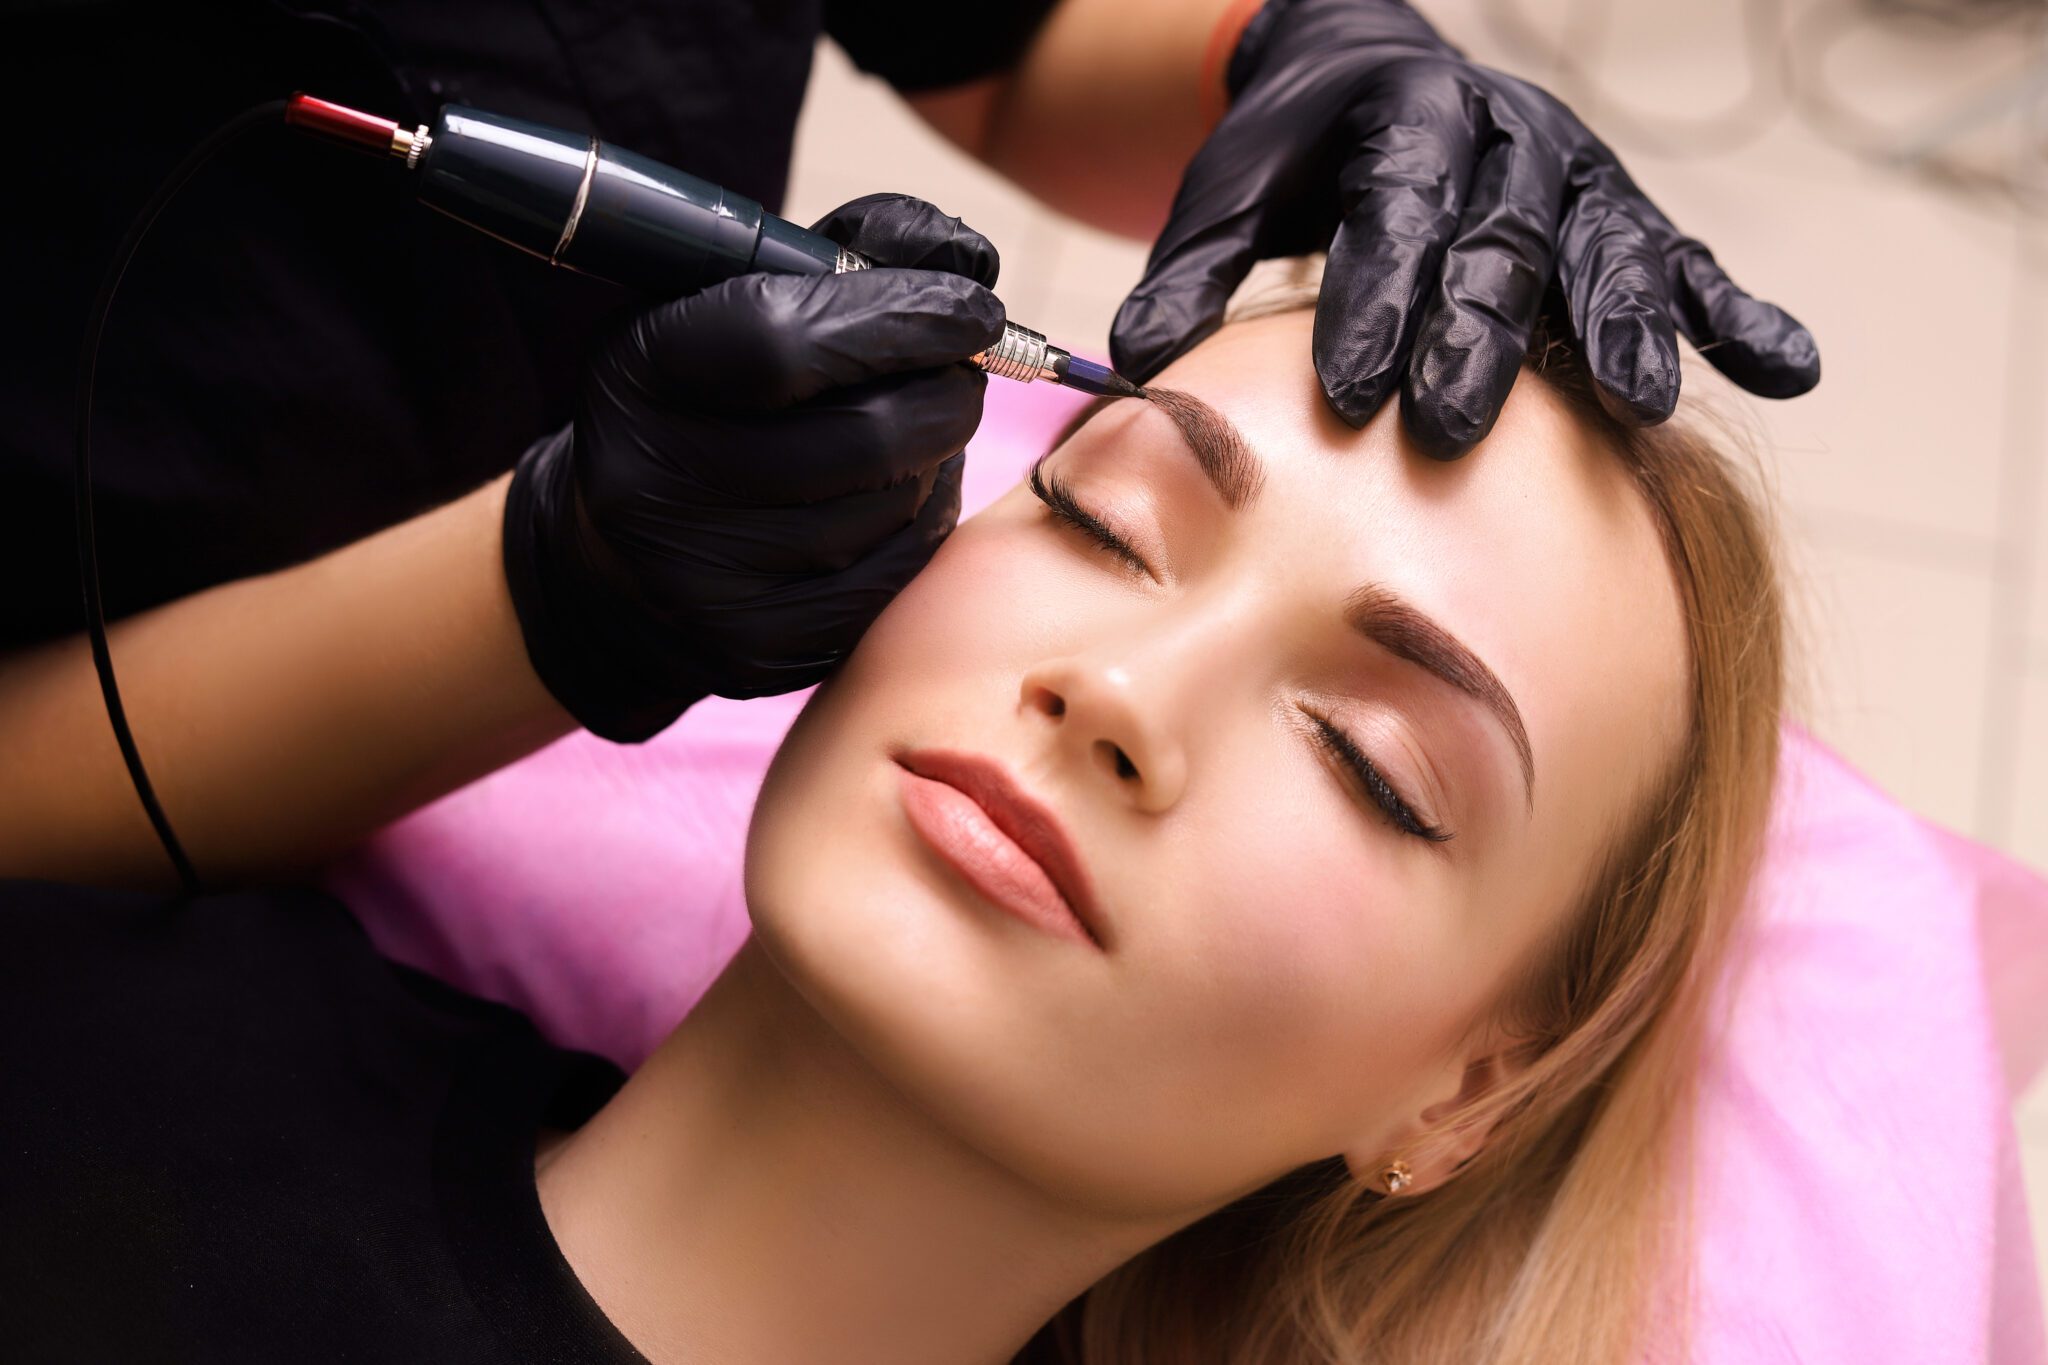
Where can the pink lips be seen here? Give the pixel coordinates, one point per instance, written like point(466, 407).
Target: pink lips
point(1009, 846)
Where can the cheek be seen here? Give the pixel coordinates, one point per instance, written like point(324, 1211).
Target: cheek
point(939, 628)
point(990, 599)
point(1315, 970)
point(944, 659)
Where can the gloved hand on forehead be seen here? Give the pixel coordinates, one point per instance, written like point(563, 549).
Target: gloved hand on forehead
point(1449, 196)
point(754, 471)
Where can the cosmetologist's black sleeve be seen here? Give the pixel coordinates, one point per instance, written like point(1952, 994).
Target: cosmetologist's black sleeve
point(925, 45)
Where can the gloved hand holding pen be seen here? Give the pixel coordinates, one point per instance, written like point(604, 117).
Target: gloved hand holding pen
point(753, 472)
point(1449, 196)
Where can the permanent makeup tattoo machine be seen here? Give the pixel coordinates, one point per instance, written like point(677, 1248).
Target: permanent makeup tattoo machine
point(565, 197)
point(577, 202)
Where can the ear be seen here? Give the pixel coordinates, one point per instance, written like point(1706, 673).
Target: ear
point(1433, 1162)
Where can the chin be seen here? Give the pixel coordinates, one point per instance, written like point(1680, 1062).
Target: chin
point(953, 1004)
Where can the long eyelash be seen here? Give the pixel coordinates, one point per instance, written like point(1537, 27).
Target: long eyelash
point(1339, 745)
point(1059, 499)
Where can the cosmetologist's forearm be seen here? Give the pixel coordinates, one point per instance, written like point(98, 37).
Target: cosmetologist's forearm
point(280, 717)
point(1106, 107)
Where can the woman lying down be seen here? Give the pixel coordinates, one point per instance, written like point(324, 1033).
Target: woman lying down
point(1252, 898)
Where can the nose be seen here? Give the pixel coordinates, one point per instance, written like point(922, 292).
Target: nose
point(1104, 723)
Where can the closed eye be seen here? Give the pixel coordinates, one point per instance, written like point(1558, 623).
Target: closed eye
point(1060, 501)
point(1340, 746)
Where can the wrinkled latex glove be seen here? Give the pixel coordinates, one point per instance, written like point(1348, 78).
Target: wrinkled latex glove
point(754, 471)
point(1449, 197)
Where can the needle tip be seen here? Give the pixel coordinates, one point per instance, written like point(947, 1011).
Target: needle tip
point(1090, 377)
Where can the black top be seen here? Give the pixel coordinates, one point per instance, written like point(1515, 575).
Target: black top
point(301, 354)
point(231, 1131)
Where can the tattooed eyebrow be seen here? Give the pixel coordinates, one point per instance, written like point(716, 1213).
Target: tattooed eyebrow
point(1219, 448)
point(1217, 445)
point(1406, 632)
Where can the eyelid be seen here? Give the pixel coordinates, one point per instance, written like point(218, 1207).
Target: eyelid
point(1058, 498)
point(1389, 800)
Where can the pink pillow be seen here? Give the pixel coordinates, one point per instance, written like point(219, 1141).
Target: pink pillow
point(1858, 1178)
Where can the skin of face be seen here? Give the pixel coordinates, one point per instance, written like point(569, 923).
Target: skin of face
point(1289, 975)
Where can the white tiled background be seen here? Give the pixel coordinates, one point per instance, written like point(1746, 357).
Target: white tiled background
point(1915, 478)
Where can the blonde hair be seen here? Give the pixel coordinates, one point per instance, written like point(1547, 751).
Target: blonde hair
point(1568, 1234)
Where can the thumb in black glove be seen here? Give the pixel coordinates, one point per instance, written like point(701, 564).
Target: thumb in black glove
point(753, 473)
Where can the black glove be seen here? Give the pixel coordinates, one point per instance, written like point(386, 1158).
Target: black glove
point(753, 472)
point(1448, 195)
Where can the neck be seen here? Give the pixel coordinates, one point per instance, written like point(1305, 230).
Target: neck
point(757, 1192)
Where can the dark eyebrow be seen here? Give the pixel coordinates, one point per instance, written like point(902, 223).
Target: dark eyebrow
point(1218, 446)
point(1403, 630)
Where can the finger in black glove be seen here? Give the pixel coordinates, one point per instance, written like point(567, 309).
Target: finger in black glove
point(754, 471)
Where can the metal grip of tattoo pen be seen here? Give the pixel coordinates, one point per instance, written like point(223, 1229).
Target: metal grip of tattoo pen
point(581, 203)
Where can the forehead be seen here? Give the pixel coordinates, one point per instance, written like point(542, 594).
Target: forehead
point(1536, 550)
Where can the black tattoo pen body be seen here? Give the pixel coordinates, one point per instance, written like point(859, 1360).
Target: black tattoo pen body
point(577, 202)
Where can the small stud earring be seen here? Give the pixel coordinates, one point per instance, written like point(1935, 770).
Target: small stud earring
point(1397, 1176)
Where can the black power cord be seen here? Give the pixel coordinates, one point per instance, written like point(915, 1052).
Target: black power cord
point(81, 466)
